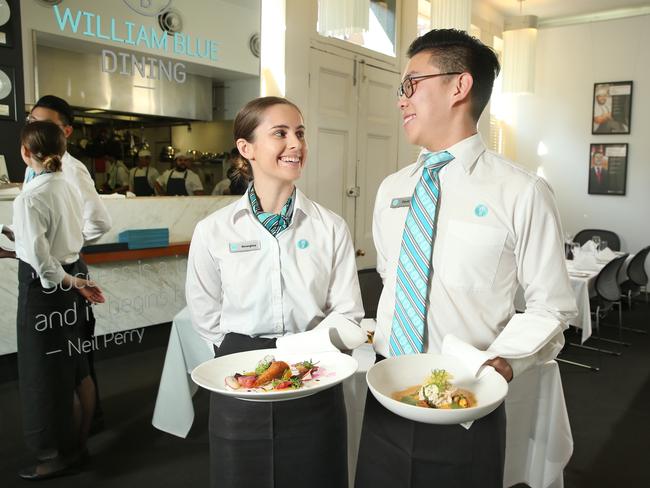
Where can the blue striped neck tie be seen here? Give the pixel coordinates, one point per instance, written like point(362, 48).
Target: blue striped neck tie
point(31, 174)
point(414, 267)
point(274, 223)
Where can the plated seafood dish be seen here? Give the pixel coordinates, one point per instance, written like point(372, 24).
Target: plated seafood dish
point(436, 391)
point(272, 375)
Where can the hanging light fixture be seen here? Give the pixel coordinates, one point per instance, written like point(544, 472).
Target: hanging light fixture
point(446, 14)
point(519, 43)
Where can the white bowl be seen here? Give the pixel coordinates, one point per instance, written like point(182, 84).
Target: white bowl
point(400, 372)
point(211, 374)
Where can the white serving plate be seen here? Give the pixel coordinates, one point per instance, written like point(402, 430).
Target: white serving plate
point(334, 366)
point(400, 372)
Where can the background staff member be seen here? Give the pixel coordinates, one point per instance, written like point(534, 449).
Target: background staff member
point(48, 232)
point(117, 174)
point(180, 180)
point(142, 178)
point(96, 219)
point(474, 228)
point(300, 268)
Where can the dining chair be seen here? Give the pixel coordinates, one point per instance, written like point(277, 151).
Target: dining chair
point(637, 277)
point(371, 287)
point(608, 295)
point(613, 241)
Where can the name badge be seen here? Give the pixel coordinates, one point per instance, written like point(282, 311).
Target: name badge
point(244, 246)
point(400, 202)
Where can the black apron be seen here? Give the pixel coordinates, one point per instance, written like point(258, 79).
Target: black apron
point(396, 452)
point(295, 443)
point(176, 186)
point(141, 185)
point(49, 323)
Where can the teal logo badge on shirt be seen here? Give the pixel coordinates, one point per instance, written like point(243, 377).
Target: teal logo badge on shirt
point(303, 244)
point(480, 210)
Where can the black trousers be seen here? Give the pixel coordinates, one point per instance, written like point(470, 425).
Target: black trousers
point(398, 453)
point(49, 369)
point(287, 444)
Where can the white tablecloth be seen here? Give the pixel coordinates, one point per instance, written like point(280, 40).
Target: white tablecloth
point(539, 442)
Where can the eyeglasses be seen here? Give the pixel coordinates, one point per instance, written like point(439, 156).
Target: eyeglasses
point(407, 87)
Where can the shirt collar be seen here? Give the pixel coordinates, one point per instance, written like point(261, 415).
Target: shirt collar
point(40, 180)
point(301, 204)
point(465, 153)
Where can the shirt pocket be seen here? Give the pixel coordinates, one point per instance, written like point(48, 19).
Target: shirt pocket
point(471, 255)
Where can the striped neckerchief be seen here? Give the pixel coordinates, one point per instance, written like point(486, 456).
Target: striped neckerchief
point(274, 223)
point(31, 174)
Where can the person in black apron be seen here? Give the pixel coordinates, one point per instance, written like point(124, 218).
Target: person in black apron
point(176, 186)
point(52, 292)
point(269, 264)
point(180, 180)
point(442, 274)
point(141, 183)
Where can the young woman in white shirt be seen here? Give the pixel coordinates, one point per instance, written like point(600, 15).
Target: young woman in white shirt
point(270, 264)
point(57, 394)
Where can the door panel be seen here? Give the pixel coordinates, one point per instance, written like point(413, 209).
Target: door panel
point(378, 130)
point(332, 132)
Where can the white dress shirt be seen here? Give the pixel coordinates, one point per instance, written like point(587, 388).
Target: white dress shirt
point(47, 224)
point(192, 181)
point(152, 176)
point(242, 279)
point(96, 219)
point(498, 228)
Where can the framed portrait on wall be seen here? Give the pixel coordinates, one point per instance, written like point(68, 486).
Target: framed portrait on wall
point(612, 108)
point(7, 93)
point(607, 169)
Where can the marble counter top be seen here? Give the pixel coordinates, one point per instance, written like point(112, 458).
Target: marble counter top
point(138, 293)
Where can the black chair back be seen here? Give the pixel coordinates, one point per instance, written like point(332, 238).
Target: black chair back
point(371, 287)
point(607, 286)
point(636, 268)
point(613, 241)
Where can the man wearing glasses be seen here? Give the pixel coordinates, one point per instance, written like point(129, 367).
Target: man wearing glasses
point(473, 228)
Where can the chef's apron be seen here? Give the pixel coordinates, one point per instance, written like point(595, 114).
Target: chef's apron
point(141, 185)
point(49, 323)
point(295, 443)
point(397, 452)
point(176, 186)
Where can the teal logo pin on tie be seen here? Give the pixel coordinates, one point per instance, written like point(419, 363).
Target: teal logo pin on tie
point(303, 244)
point(480, 210)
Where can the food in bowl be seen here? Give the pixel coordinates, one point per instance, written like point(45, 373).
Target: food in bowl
point(272, 375)
point(436, 391)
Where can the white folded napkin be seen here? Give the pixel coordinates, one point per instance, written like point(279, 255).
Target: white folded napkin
point(523, 337)
point(333, 334)
point(585, 260)
point(606, 254)
point(588, 247)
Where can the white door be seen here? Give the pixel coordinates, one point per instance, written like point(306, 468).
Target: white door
point(353, 129)
point(332, 132)
point(378, 132)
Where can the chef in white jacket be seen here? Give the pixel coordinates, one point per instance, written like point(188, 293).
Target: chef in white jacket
point(270, 264)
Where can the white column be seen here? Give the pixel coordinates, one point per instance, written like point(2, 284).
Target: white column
point(448, 14)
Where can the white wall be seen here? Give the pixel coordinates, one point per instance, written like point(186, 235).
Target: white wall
point(569, 61)
point(229, 23)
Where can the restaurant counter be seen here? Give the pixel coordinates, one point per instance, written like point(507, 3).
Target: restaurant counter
point(142, 288)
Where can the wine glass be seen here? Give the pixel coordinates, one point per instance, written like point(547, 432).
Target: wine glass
point(596, 241)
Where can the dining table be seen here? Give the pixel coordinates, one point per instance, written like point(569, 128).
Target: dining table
point(582, 276)
point(539, 443)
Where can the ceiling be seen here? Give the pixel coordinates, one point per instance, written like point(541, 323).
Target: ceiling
point(545, 9)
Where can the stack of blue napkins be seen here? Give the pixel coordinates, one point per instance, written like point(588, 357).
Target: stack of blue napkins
point(145, 238)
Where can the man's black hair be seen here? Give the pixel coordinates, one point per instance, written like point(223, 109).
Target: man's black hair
point(59, 105)
point(456, 50)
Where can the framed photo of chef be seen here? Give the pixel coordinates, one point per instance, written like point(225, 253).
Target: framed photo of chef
point(607, 169)
point(612, 108)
